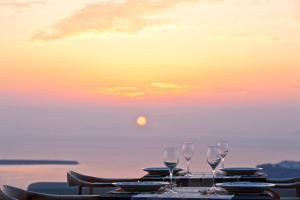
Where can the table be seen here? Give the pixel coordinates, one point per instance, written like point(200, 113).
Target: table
point(187, 193)
point(184, 193)
point(204, 179)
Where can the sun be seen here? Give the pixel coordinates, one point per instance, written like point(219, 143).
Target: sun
point(141, 120)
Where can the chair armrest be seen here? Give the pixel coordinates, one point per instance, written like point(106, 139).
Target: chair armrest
point(287, 185)
point(101, 185)
point(97, 184)
point(273, 194)
point(112, 180)
point(67, 197)
point(287, 180)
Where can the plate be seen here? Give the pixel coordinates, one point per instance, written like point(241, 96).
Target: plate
point(144, 186)
point(121, 191)
point(161, 171)
point(240, 171)
point(245, 187)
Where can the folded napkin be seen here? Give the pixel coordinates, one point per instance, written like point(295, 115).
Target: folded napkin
point(183, 194)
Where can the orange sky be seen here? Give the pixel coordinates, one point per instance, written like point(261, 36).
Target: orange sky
point(150, 50)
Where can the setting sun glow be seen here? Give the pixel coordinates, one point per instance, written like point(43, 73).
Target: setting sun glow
point(141, 121)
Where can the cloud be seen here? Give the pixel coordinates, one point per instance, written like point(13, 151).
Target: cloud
point(17, 7)
point(119, 89)
point(17, 4)
point(162, 85)
point(111, 16)
point(127, 91)
point(152, 89)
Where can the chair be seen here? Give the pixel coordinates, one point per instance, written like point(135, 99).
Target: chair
point(13, 193)
point(273, 194)
point(4, 196)
point(80, 180)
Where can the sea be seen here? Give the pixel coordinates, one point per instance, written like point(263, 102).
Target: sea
point(127, 156)
point(107, 142)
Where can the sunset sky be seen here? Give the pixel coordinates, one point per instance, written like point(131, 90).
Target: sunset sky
point(97, 51)
point(110, 83)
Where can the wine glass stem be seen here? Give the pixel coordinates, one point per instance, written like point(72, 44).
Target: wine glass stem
point(188, 167)
point(223, 161)
point(214, 173)
point(171, 179)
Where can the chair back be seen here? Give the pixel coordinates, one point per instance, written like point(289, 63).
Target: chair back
point(4, 196)
point(73, 180)
point(80, 180)
point(80, 177)
point(16, 193)
point(92, 179)
point(13, 193)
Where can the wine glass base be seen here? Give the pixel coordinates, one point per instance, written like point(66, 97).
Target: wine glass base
point(215, 190)
point(172, 191)
point(188, 174)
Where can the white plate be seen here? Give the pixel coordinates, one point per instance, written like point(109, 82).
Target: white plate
point(245, 187)
point(161, 171)
point(241, 170)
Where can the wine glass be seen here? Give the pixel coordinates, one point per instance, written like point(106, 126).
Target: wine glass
point(188, 151)
point(171, 160)
point(213, 159)
point(223, 150)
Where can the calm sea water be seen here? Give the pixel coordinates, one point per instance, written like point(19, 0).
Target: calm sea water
point(107, 143)
point(108, 156)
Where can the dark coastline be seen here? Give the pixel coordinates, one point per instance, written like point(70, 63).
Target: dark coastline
point(37, 162)
point(283, 169)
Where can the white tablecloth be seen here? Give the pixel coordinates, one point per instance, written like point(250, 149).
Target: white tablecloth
point(182, 194)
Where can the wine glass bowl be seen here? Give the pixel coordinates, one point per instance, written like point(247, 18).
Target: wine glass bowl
point(223, 148)
point(171, 160)
point(188, 151)
point(213, 159)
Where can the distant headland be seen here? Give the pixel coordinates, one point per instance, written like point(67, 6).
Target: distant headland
point(283, 169)
point(37, 162)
